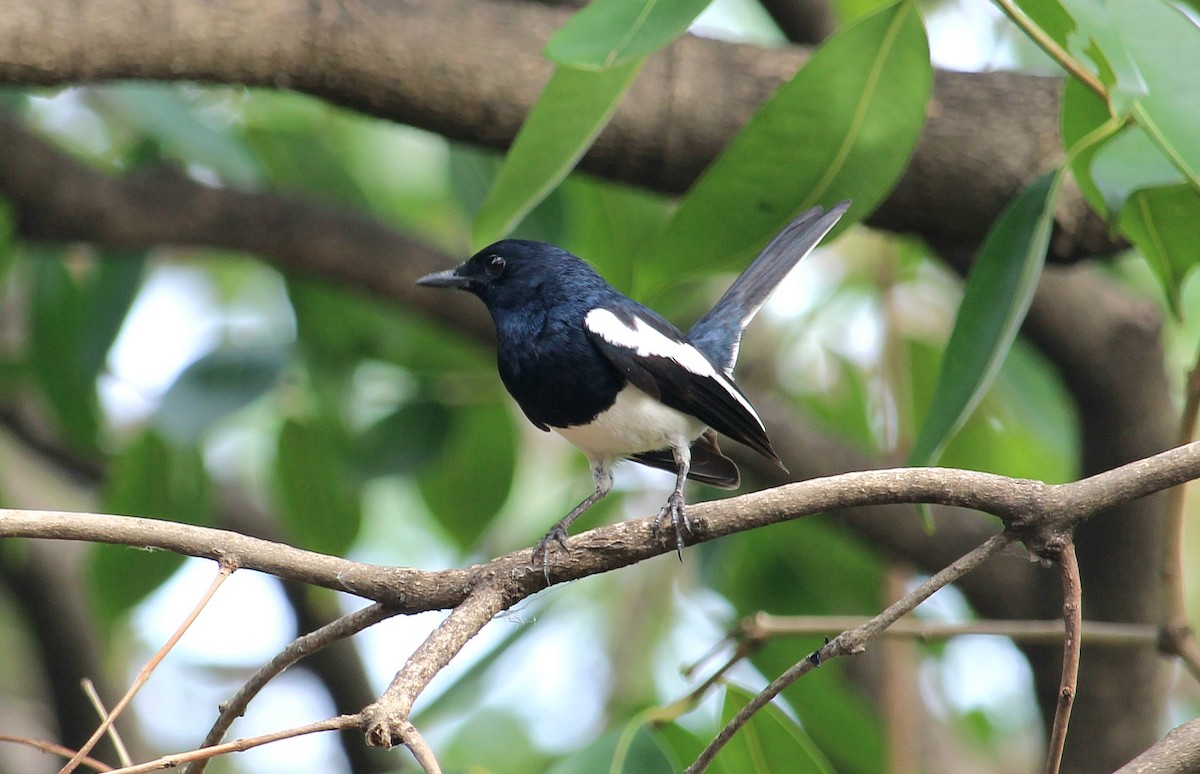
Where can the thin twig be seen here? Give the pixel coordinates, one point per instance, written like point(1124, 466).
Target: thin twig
point(345, 626)
point(1052, 49)
point(419, 748)
point(1178, 638)
point(89, 689)
point(763, 626)
point(144, 673)
point(55, 749)
point(240, 745)
point(1072, 616)
point(852, 641)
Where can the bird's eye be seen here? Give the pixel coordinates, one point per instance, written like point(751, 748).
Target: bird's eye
point(495, 266)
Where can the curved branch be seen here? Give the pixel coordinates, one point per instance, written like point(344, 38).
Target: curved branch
point(1176, 753)
point(433, 64)
point(1030, 508)
point(61, 199)
point(335, 631)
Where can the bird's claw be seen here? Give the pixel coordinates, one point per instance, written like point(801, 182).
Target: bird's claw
point(674, 514)
point(557, 534)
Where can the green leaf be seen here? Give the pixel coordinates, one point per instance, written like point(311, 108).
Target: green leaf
point(1097, 40)
point(75, 315)
point(607, 33)
point(471, 481)
point(217, 385)
point(1164, 43)
point(159, 111)
point(1161, 220)
point(573, 108)
point(298, 157)
point(1083, 112)
point(1164, 224)
point(609, 223)
point(769, 742)
point(153, 480)
point(318, 503)
point(56, 325)
point(1128, 162)
point(107, 296)
point(406, 442)
point(843, 127)
point(995, 299)
point(8, 233)
point(614, 753)
point(1051, 17)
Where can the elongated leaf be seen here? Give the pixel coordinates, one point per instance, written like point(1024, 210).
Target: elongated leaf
point(159, 112)
point(57, 324)
point(405, 442)
point(107, 296)
point(769, 742)
point(215, 386)
point(842, 128)
point(319, 504)
point(1131, 162)
point(1083, 112)
point(470, 483)
point(1164, 224)
point(570, 113)
point(1146, 52)
point(995, 299)
point(8, 224)
point(1161, 220)
point(153, 480)
point(614, 754)
point(608, 33)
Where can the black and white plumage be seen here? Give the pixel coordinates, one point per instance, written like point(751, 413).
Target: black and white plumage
point(616, 379)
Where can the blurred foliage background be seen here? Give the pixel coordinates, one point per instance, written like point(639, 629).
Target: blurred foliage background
point(202, 385)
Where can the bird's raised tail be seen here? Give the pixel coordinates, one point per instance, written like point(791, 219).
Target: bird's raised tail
point(719, 333)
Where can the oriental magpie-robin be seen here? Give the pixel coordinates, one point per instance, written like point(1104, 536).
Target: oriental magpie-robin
point(616, 379)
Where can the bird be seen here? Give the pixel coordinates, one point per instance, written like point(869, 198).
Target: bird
point(617, 380)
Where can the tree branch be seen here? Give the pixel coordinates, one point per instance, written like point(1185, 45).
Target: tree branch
point(1072, 618)
point(1029, 508)
point(762, 626)
point(306, 645)
point(1177, 753)
point(432, 64)
point(849, 642)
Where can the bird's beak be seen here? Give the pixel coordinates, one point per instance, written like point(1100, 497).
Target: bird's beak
point(450, 278)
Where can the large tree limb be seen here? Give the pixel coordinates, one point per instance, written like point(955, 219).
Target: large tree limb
point(470, 70)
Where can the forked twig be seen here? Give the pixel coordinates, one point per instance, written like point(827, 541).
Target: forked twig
point(241, 745)
point(55, 749)
point(305, 645)
point(144, 673)
point(852, 641)
point(89, 689)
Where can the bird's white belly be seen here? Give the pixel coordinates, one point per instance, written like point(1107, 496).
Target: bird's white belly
point(635, 422)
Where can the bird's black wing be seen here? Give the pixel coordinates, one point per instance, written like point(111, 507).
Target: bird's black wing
point(657, 359)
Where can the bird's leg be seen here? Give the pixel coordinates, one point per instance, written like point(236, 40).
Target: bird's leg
point(674, 505)
point(602, 480)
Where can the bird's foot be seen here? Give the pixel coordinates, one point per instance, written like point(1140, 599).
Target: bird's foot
point(673, 513)
point(557, 534)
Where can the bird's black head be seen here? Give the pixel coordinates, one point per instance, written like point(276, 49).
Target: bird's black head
point(513, 273)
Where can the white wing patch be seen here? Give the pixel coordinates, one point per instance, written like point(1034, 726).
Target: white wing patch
point(646, 341)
